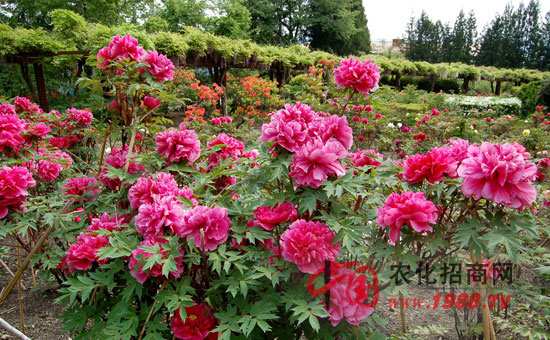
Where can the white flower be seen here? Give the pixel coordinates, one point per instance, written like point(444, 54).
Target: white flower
point(390, 125)
point(107, 150)
point(399, 125)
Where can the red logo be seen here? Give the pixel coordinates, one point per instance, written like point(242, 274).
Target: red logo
point(355, 281)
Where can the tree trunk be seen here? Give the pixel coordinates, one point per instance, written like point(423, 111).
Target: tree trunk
point(41, 84)
point(432, 82)
point(497, 90)
point(466, 85)
point(28, 80)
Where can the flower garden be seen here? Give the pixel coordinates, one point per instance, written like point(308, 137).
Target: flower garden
point(179, 208)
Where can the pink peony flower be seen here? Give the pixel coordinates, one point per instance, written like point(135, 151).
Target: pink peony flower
point(164, 211)
point(308, 245)
point(459, 149)
point(120, 49)
point(362, 76)
point(410, 208)
point(269, 218)
point(82, 187)
point(377, 115)
point(178, 146)
point(159, 66)
point(289, 127)
point(142, 275)
point(432, 166)
point(337, 128)
point(365, 157)
point(60, 142)
point(197, 326)
point(212, 222)
point(107, 222)
point(82, 117)
point(39, 130)
point(315, 161)
point(147, 186)
point(232, 148)
point(10, 131)
point(151, 103)
point(347, 297)
point(499, 173)
point(14, 184)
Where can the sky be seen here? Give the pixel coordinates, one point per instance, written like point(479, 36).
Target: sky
point(387, 19)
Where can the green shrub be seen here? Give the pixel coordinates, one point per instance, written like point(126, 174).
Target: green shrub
point(529, 96)
point(544, 93)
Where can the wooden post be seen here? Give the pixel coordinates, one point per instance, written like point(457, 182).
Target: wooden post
point(41, 85)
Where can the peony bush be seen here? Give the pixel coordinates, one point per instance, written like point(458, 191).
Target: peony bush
point(178, 233)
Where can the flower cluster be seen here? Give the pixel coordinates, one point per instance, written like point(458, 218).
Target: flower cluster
point(219, 120)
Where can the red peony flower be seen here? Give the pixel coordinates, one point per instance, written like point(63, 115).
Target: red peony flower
point(432, 166)
point(151, 102)
point(366, 157)
point(48, 171)
point(269, 218)
point(362, 76)
point(410, 208)
point(198, 324)
point(308, 245)
point(499, 173)
point(82, 117)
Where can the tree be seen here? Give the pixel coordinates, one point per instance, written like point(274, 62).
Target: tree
point(424, 39)
point(533, 35)
point(180, 13)
point(34, 13)
point(232, 20)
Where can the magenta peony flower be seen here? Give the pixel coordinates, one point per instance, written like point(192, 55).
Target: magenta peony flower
point(22, 104)
point(213, 223)
point(160, 66)
point(410, 208)
point(107, 222)
point(347, 297)
point(269, 218)
point(140, 274)
point(289, 127)
point(362, 76)
point(60, 142)
point(315, 161)
point(459, 149)
point(14, 183)
point(432, 166)
point(82, 117)
point(178, 146)
point(366, 157)
point(151, 103)
point(82, 187)
point(308, 245)
point(48, 171)
point(337, 128)
point(120, 49)
point(232, 148)
point(147, 186)
point(7, 109)
point(164, 211)
point(10, 131)
point(82, 254)
point(197, 326)
point(499, 173)
point(117, 159)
